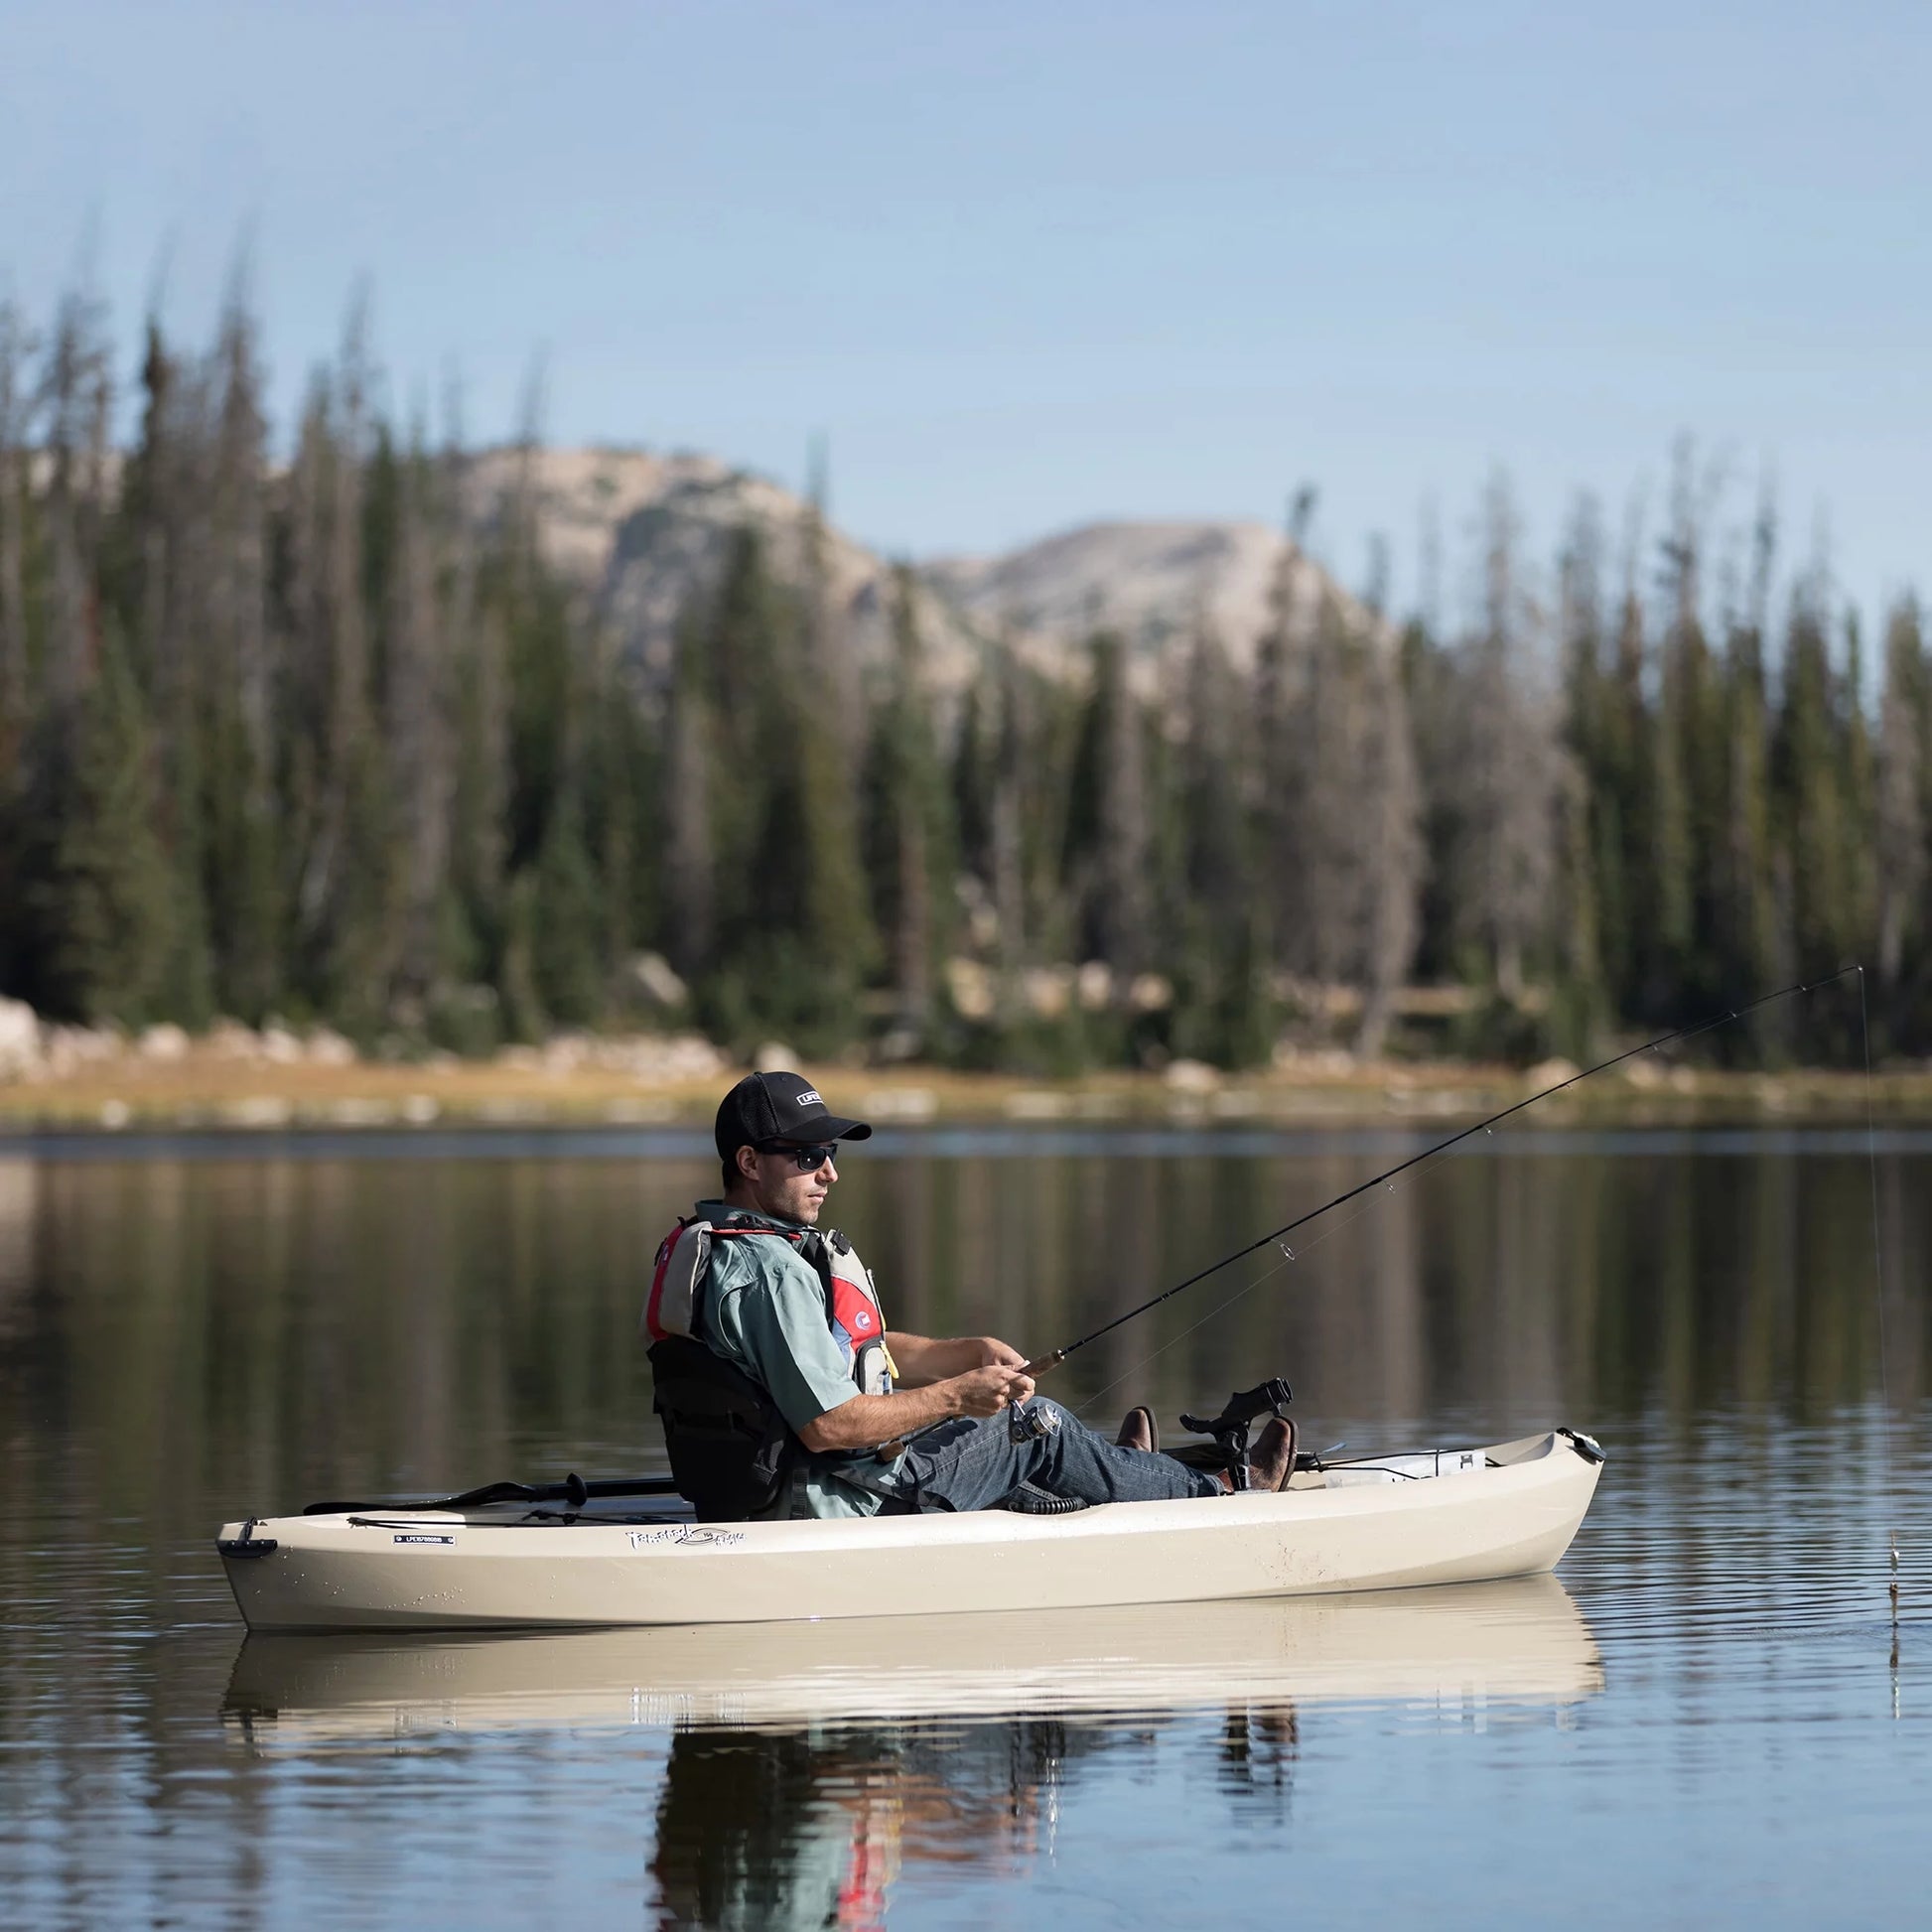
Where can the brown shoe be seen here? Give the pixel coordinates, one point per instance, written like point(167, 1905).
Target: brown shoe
point(1140, 1430)
point(1271, 1457)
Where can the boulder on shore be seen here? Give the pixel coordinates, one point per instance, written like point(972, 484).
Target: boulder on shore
point(19, 1040)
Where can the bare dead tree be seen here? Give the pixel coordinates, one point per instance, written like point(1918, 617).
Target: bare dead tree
point(691, 901)
point(1393, 854)
point(1121, 872)
point(421, 726)
point(16, 429)
point(1280, 678)
point(1506, 847)
point(1008, 857)
point(75, 405)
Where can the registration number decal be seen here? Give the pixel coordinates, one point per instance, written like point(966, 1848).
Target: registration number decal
point(414, 1538)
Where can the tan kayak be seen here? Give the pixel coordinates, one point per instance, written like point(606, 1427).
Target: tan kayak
point(1522, 1641)
point(1467, 1516)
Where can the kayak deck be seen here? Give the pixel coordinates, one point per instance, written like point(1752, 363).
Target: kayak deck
point(1509, 1510)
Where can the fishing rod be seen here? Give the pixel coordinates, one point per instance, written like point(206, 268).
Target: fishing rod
point(1041, 1364)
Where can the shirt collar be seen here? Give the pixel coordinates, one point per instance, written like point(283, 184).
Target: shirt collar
point(714, 1211)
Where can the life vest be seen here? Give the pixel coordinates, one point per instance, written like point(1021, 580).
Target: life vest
point(732, 1451)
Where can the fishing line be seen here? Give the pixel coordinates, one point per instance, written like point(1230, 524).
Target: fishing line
point(1041, 1364)
point(1290, 1256)
point(1884, 1370)
point(1441, 1151)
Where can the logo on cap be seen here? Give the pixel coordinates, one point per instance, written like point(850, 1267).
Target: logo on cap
point(809, 1098)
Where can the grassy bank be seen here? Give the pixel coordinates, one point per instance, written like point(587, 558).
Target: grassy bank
point(202, 1089)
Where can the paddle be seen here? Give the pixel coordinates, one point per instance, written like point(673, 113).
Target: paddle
point(573, 1490)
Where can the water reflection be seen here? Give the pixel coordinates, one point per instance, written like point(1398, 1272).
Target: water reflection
point(192, 1330)
point(1522, 1641)
point(808, 1765)
point(301, 1326)
point(788, 1829)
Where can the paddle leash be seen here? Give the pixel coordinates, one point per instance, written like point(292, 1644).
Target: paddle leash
point(1041, 1364)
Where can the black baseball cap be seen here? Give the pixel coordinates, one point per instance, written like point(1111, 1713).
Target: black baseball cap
point(779, 1107)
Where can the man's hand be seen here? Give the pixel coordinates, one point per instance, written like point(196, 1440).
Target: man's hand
point(996, 1353)
point(919, 1360)
point(866, 1421)
point(986, 1391)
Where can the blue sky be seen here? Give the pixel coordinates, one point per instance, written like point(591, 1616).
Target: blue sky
point(1031, 265)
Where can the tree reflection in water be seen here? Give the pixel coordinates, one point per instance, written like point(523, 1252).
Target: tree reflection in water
point(803, 1828)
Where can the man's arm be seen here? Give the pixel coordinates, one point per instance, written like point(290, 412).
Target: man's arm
point(865, 1421)
point(918, 1360)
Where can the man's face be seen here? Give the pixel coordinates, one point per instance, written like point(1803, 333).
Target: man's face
point(779, 1187)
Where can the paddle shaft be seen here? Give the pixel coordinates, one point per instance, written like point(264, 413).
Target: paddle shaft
point(572, 1491)
point(1054, 1357)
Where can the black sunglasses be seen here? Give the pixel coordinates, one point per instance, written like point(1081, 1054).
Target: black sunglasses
point(808, 1158)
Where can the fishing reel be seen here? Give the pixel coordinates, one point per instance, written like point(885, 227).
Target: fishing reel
point(1230, 1428)
point(1030, 1421)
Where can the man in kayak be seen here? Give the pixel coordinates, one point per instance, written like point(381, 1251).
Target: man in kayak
point(892, 1420)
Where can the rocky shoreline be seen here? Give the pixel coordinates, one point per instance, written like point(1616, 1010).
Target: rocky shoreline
point(78, 1079)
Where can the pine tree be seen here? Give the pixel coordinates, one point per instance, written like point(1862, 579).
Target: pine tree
point(241, 881)
point(344, 894)
point(15, 424)
point(1691, 746)
point(151, 579)
point(815, 689)
point(16, 428)
point(101, 898)
point(908, 830)
point(1214, 913)
point(1859, 781)
point(1809, 786)
point(1747, 944)
point(1591, 872)
point(1904, 723)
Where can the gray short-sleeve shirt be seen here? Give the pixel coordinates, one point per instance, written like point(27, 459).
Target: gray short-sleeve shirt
point(763, 1310)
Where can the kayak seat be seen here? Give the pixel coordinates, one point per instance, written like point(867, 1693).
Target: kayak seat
point(732, 1454)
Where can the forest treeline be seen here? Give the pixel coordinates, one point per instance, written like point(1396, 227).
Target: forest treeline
point(303, 735)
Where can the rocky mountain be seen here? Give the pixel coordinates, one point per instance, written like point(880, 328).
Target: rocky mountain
point(637, 532)
point(1155, 583)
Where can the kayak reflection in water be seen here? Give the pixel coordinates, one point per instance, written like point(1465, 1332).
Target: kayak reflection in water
point(813, 1828)
point(756, 1316)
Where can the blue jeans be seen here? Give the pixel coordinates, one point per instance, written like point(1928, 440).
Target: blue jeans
point(967, 1465)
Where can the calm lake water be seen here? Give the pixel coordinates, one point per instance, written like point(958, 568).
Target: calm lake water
point(1707, 1715)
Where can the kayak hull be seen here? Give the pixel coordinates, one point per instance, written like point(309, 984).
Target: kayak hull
point(485, 1568)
